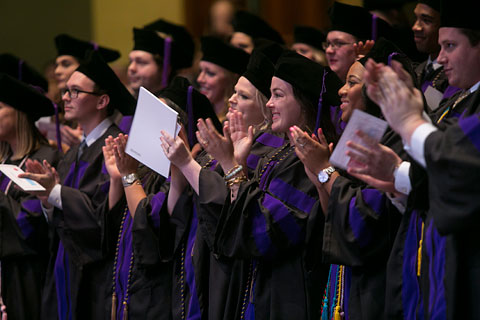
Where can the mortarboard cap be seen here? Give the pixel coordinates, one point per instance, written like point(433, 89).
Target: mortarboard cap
point(302, 73)
point(67, 45)
point(272, 50)
point(383, 4)
point(220, 53)
point(25, 98)
point(358, 22)
point(460, 14)
point(183, 47)
point(260, 72)
point(95, 68)
point(308, 35)
point(254, 26)
point(20, 70)
point(200, 107)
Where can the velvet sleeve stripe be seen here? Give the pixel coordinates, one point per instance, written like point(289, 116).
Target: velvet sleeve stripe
point(252, 161)
point(270, 140)
point(259, 229)
point(157, 202)
point(291, 195)
point(285, 220)
point(372, 198)
point(435, 250)
point(471, 128)
point(32, 205)
point(71, 180)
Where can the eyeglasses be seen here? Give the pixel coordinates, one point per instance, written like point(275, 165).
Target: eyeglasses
point(73, 93)
point(334, 44)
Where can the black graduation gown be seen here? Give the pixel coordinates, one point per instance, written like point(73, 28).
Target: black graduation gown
point(360, 229)
point(142, 279)
point(72, 285)
point(23, 244)
point(432, 292)
point(266, 227)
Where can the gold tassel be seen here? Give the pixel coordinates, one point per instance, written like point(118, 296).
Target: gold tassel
point(125, 311)
point(419, 254)
point(114, 307)
point(337, 315)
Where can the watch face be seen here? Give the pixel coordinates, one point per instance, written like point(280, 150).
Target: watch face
point(130, 178)
point(323, 176)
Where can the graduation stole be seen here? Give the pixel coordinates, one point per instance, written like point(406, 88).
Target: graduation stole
point(336, 312)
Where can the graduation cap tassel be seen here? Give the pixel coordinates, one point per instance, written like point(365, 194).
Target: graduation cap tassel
point(95, 45)
point(320, 103)
point(390, 57)
point(191, 125)
point(125, 311)
point(57, 128)
point(114, 307)
point(166, 61)
point(374, 27)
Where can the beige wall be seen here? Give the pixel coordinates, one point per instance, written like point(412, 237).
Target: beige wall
point(113, 20)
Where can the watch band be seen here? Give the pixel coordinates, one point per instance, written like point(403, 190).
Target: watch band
point(129, 179)
point(324, 175)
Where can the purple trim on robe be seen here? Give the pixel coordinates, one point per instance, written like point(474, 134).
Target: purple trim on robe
point(450, 91)
point(252, 161)
point(4, 183)
point(435, 245)
point(426, 84)
point(213, 165)
point(259, 230)
point(82, 167)
point(283, 218)
point(250, 310)
point(62, 283)
point(193, 311)
point(471, 128)
point(374, 199)
point(270, 140)
point(32, 205)
point(266, 173)
point(291, 195)
point(157, 203)
point(125, 124)
point(123, 264)
point(346, 290)
point(332, 290)
point(411, 298)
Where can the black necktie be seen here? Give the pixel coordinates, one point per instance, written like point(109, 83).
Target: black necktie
point(81, 147)
point(429, 70)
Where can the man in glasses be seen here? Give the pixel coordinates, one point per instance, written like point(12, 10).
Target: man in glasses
point(74, 197)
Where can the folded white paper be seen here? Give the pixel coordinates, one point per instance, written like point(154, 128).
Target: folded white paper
point(151, 116)
point(372, 126)
point(12, 172)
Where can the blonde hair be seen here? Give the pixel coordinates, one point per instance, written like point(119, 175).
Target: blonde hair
point(261, 100)
point(28, 138)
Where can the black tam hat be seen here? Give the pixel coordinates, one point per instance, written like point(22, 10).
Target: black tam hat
point(20, 70)
point(183, 47)
point(460, 14)
point(220, 53)
point(23, 97)
point(260, 72)
point(99, 72)
point(255, 27)
point(434, 4)
point(67, 45)
point(308, 35)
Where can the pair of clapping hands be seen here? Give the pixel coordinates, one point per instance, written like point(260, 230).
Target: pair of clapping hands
point(402, 106)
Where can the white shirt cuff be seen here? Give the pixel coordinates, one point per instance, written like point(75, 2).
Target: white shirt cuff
point(402, 178)
point(399, 202)
point(55, 196)
point(417, 142)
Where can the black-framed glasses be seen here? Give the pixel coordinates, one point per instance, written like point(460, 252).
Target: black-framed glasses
point(73, 93)
point(334, 44)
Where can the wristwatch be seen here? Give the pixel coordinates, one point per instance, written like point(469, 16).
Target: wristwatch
point(129, 179)
point(324, 175)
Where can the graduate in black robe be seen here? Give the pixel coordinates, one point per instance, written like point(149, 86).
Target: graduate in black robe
point(76, 194)
point(23, 226)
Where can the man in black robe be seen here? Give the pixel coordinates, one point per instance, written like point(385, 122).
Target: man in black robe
point(74, 197)
point(450, 155)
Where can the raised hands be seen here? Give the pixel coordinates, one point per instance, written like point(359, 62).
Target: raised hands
point(392, 89)
point(241, 136)
point(218, 146)
point(362, 49)
point(125, 163)
point(44, 174)
point(109, 156)
point(176, 149)
point(373, 163)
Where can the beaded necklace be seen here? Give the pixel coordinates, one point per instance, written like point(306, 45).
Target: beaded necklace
point(114, 293)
